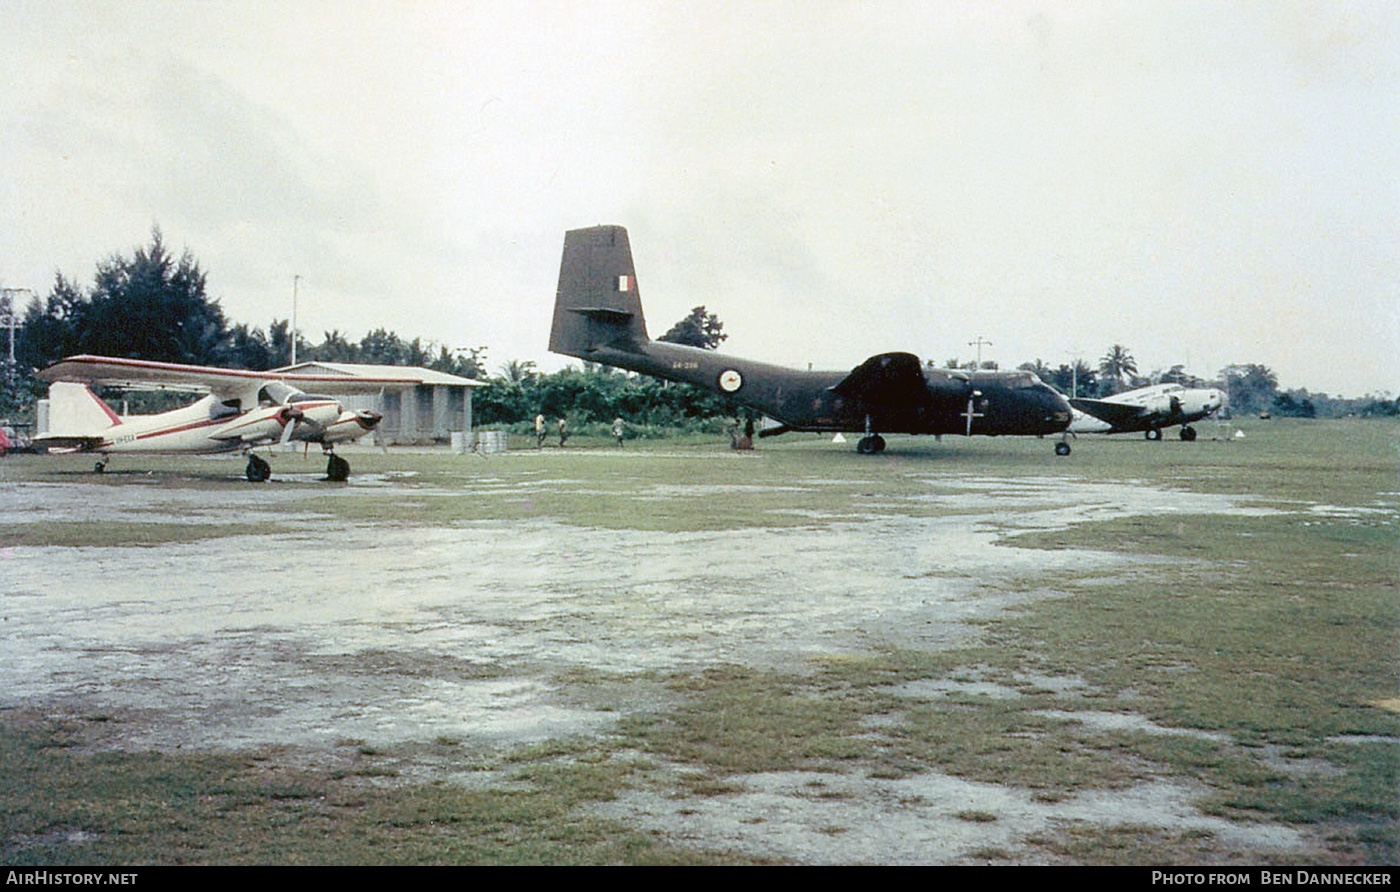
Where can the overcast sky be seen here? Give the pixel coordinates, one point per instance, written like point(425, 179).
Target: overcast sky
point(1204, 183)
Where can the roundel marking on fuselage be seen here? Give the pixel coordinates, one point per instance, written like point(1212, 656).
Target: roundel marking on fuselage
point(730, 380)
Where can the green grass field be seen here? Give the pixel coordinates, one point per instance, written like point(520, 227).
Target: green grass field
point(1253, 661)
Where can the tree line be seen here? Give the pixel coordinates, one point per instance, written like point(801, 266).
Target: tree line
point(153, 305)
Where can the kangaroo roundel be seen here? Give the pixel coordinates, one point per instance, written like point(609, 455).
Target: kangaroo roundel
point(730, 380)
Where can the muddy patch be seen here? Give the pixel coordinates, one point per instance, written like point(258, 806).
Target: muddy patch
point(813, 818)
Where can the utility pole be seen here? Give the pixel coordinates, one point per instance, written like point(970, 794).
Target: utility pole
point(1074, 360)
point(295, 281)
point(10, 319)
point(978, 343)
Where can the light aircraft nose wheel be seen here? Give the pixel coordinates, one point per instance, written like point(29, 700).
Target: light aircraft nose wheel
point(337, 468)
point(258, 470)
point(1188, 433)
point(1062, 448)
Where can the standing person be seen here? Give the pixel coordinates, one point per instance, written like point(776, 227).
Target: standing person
point(617, 431)
point(741, 443)
point(563, 431)
point(539, 431)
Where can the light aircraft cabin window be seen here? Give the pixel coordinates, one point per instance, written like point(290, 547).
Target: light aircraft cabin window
point(223, 408)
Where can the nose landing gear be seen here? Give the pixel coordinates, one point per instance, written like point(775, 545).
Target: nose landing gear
point(870, 445)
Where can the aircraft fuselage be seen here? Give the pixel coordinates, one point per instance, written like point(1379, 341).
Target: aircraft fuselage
point(953, 402)
point(203, 428)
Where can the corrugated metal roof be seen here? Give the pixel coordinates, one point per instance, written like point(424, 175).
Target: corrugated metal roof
point(409, 374)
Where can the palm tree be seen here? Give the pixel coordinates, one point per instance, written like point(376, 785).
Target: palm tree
point(518, 372)
point(1039, 369)
point(1117, 364)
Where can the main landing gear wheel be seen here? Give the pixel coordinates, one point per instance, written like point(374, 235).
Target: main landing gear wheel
point(871, 445)
point(258, 470)
point(337, 468)
point(1062, 448)
point(1154, 433)
point(1188, 433)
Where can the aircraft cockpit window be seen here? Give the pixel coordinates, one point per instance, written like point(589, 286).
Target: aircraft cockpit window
point(275, 393)
point(301, 397)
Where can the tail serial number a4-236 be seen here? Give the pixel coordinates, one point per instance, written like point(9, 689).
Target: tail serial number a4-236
point(598, 318)
point(242, 410)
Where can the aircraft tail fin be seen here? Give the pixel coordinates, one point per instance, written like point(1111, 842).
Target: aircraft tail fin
point(597, 304)
point(77, 412)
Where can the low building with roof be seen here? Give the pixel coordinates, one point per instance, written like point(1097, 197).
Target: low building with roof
point(428, 407)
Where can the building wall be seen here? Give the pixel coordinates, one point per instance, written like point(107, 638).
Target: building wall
point(420, 414)
point(413, 413)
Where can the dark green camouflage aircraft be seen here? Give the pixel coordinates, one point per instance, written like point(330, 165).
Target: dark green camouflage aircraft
point(598, 318)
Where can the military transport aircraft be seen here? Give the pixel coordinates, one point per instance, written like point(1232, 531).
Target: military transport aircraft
point(243, 409)
point(1149, 409)
point(598, 318)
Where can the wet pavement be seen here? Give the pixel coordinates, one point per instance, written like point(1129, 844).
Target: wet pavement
point(329, 631)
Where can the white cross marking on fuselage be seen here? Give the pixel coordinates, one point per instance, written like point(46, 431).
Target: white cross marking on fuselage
point(971, 414)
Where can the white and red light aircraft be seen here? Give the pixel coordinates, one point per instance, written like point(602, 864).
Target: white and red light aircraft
point(243, 409)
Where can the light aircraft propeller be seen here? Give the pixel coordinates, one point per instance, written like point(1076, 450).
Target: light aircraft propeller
point(290, 417)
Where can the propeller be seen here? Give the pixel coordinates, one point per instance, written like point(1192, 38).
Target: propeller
point(289, 416)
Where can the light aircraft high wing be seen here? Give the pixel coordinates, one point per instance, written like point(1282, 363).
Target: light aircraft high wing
point(1149, 409)
point(598, 318)
point(242, 409)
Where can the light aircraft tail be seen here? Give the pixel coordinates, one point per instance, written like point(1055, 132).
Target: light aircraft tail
point(597, 304)
point(75, 411)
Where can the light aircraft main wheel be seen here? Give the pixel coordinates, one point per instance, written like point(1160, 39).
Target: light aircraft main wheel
point(1154, 433)
point(1062, 448)
point(1188, 433)
point(258, 470)
point(99, 467)
point(337, 468)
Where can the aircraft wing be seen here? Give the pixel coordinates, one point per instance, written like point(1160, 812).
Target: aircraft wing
point(1116, 414)
point(141, 373)
point(893, 381)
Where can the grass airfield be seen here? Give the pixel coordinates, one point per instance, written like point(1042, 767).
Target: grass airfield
point(962, 652)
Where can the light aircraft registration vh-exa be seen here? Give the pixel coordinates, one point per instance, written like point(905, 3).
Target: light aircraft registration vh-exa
point(598, 318)
point(242, 410)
